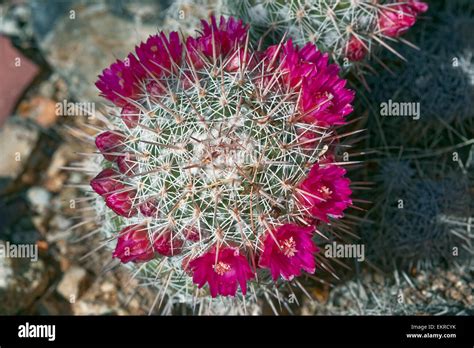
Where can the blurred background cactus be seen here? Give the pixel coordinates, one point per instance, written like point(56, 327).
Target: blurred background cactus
point(438, 76)
point(421, 222)
point(421, 164)
point(350, 31)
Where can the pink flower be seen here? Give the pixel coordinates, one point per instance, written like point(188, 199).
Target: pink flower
point(395, 20)
point(307, 138)
point(193, 53)
point(216, 40)
point(127, 164)
point(167, 245)
point(223, 269)
point(355, 49)
point(192, 234)
point(149, 207)
point(185, 265)
point(418, 6)
point(325, 192)
point(288, 250)
point(130, 115)
point(109, 143)
point(133, 245)
point(154, 88)
point(324, 99)
point(294, 64)
point(106, 182)
point(121, 80)
point(239, 59)
point(159, 54)
point(121, 203)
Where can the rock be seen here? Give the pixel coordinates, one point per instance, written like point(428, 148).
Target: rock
point(144, 11)
point(46, 13)
point(95, 308)
point(60, 223)
point(16, 224)
point(73, 283)
point(17, 72)
point(16, 23)
point(22, 281)
point(17, 140)
point(55, 175)
point(108, 287)
point(80, 47)
point(39, 199)
point(99, 299)
point(54, 87)
point(52, 305)
point(42, 110)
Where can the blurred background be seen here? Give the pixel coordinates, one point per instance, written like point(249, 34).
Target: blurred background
point(52, 51)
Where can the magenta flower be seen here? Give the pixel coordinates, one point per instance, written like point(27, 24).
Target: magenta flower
point(185, 265)
point(216, 40)
point(121, 81)
point(295, 64)
point(325, 192)
point(121, 203)
point(106, 182)
point(223, 269)
point(133, 245)
point(167, 245)
point(238, 60)
point(127, 164)
point(308, 139)
point(194, 53)
point(155, 88)
point(288, 250)
point(192, 234)
point(149, 207)
point(355, 49)
point(395, 20)
point(130, 115)
point(160, 55)
point(228, 35)
point(109, 143)
point(324, 99)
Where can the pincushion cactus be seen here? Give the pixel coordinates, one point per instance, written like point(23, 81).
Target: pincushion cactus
point(439, 78)
point(348, 29)
point(218, 165)
point(419, 222)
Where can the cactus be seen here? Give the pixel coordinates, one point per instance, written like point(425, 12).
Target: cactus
point(218, 165)
point(439, 77)
point(350, 30)
point(419, 222)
